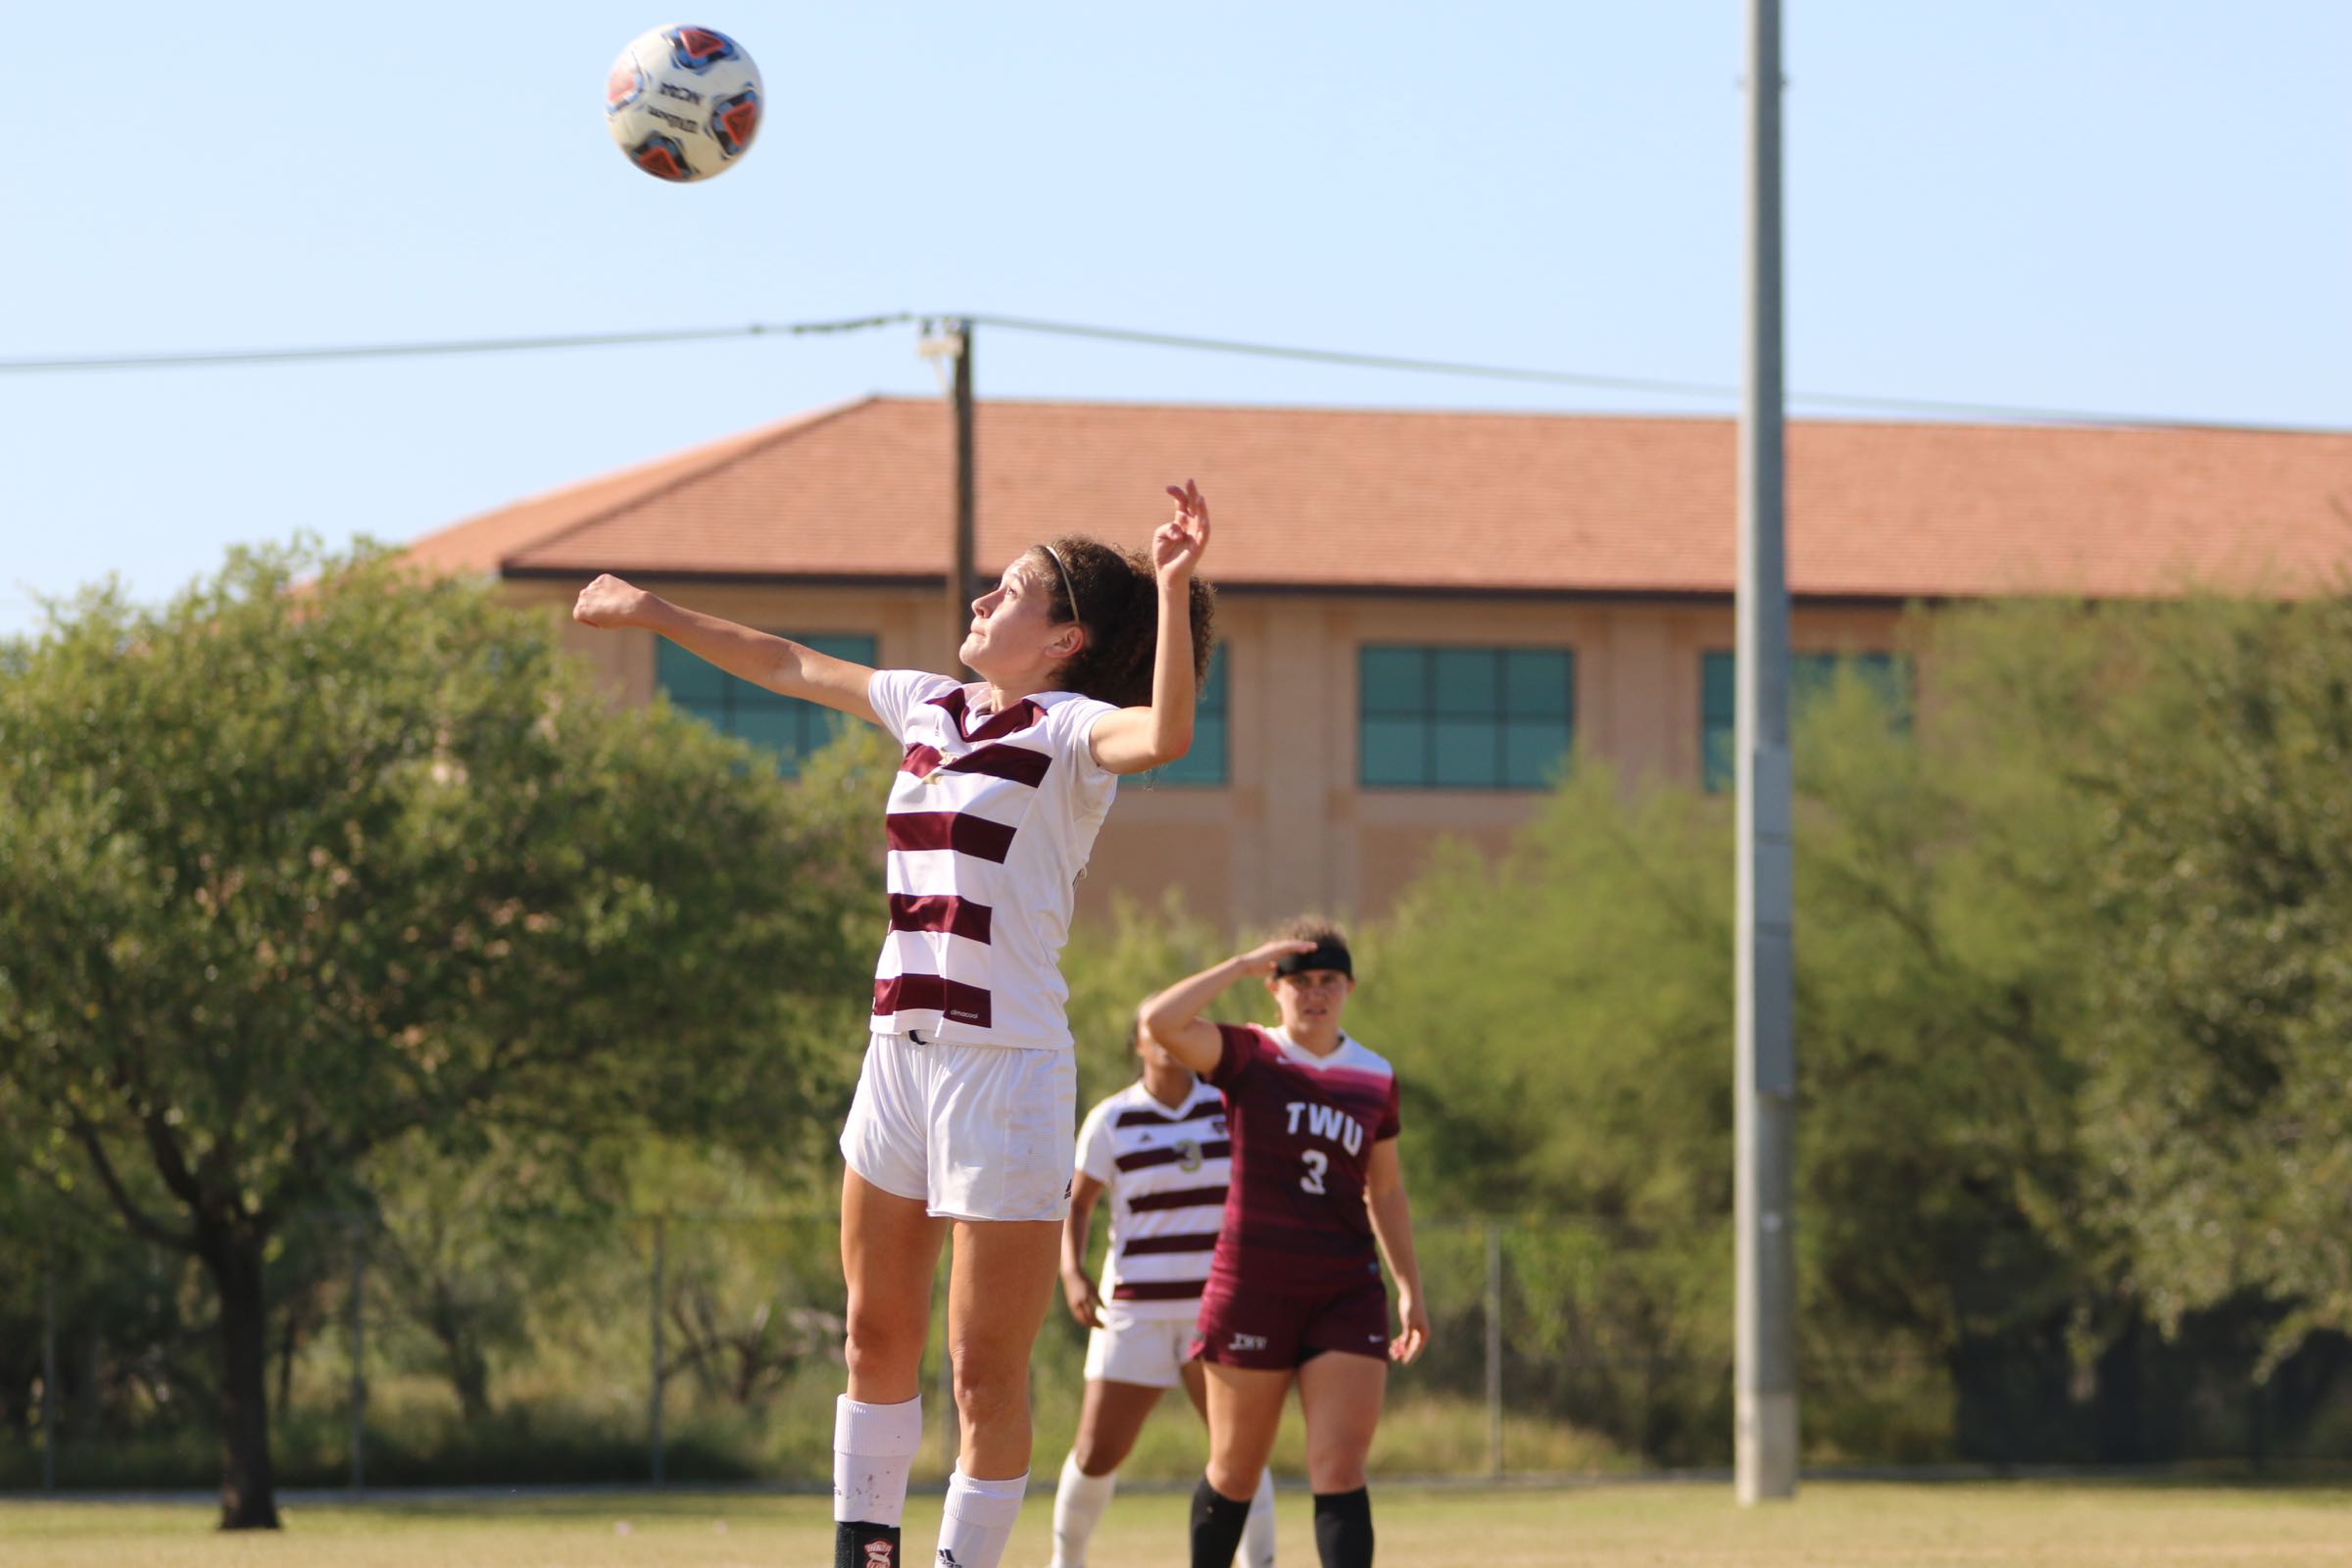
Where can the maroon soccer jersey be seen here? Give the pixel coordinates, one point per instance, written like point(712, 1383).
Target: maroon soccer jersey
point(1303, 1128)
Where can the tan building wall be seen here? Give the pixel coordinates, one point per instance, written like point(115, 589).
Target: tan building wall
point(1291, 829)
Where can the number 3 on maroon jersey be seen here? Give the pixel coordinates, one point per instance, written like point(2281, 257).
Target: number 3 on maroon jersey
point(1316, 1162)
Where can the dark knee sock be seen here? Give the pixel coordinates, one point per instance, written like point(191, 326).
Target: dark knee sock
point(1343, 1528)
point(1217, 1522)
point(864, 1545)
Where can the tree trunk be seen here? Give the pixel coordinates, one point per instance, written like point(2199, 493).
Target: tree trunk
point(289, 1342)
point(468, 1367)
point(248, 1488)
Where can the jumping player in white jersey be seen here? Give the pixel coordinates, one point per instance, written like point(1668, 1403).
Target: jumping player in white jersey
point(1158, 1147)
point(1318, 1199)
point(1090, 660)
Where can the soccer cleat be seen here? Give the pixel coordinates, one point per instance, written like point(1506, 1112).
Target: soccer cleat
point(864, 1545)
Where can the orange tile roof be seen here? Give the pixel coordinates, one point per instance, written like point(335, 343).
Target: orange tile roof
point(1413, 500)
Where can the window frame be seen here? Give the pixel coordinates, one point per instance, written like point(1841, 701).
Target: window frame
point(1430, 712)
point(1215, 702)
point(1811, 671)
point(813, 726)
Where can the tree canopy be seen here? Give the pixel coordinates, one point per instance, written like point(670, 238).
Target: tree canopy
point(324, 855)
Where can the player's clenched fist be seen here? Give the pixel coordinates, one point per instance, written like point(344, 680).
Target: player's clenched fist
point(607, 602)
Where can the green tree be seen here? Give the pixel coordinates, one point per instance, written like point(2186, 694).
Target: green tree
point(2219, 1066)
point(324, 855)
point(1945, 948)
point(461, 1245)
point(1112, 968)
point(1560, 1022)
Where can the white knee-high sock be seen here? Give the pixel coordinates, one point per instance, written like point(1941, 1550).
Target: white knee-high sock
point(978, 1520)
point(1257, 1536)
point(873, 1447)
point(1078, 1504)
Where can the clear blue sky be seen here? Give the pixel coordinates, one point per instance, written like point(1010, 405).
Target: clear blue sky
point(2138, 206)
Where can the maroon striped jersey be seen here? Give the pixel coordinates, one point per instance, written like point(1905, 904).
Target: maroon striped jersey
point(991, 818)
point(1166, 1171)
point(1303, 1128)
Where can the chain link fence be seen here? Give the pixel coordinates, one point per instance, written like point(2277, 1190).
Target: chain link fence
point(450, 1347)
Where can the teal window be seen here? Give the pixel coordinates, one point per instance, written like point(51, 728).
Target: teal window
point(1207, 764)
point(786, 727)
point(1887, 677)
point(1463, 718)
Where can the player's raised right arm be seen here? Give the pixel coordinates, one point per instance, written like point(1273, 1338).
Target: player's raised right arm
point(776, 662)
point(1173, 1016)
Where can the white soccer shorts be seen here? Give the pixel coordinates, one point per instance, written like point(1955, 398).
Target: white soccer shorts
point(972, 1132)
point(1150, 1352)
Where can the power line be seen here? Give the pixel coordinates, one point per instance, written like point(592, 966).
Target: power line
point(1998, 411)
point(2006, 413)
point(392, 351)
point(1369, 361)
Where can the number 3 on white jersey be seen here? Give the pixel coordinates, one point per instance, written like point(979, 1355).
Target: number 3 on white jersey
point(1317, 1163)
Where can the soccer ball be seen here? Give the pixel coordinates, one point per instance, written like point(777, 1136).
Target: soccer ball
point(683, 103)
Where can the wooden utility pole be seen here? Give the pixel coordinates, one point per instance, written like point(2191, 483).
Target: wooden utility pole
point(959, 562)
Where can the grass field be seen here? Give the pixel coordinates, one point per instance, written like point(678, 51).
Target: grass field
point(2010, 1524)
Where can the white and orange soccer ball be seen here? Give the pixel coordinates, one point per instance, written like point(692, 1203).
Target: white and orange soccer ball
point(684, 103)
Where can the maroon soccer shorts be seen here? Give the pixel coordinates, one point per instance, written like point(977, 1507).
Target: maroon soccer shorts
point(1279, 1331)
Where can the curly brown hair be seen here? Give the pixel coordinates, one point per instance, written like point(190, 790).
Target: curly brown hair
point(1118, 609)
point(1321, 930)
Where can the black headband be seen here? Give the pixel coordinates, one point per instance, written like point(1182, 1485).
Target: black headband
point(1327, 955)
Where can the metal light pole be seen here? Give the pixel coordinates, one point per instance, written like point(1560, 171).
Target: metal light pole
point(1764, 1376)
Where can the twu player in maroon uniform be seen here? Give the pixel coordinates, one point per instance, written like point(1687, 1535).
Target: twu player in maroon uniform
point(1318, 1198)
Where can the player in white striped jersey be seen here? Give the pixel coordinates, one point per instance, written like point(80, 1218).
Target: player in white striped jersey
point(1158, 1147)
point(1090, 658)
